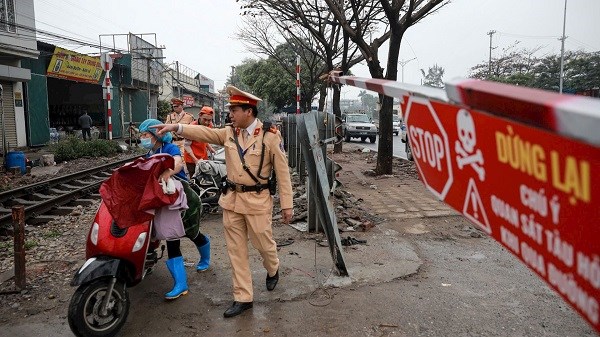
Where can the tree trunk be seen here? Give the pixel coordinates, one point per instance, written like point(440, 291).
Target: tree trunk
point(322, 97)
point(385, 146)
point(337, 148)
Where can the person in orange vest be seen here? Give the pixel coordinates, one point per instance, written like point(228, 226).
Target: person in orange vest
point(178, 116)
point(195, 150)
point(253, 152)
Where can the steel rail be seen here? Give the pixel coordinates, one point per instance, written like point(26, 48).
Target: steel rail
point(55, 192)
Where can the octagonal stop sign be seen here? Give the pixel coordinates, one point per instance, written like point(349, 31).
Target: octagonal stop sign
point(429, 144)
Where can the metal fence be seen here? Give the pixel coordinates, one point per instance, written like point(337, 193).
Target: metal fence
point(306, 137)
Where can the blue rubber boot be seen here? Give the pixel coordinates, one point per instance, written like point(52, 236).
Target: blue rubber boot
point(204, 251)
point(177, 270)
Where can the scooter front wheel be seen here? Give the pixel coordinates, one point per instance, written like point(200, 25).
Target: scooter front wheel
point(87, 315)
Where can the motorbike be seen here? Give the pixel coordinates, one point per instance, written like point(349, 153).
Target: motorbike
point(207, 181)
point(116, 259)
point(119, 258)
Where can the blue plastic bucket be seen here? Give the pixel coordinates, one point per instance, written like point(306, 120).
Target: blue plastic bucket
point(16, 159)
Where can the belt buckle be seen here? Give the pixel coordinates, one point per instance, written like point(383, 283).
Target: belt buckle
point(239, 188)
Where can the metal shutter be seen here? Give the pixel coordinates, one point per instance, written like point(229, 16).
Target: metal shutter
point(8, 113)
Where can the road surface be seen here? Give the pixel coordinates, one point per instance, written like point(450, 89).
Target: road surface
point(398, 146)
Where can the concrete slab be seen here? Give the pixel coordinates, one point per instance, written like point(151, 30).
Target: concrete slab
point(306, 264)
point(45, 170)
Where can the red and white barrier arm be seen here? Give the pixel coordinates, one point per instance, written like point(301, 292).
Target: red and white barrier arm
point(390, 88)
point(521, 164)
point(572, 116)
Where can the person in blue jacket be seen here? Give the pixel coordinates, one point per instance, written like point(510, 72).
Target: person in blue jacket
point(163, 144)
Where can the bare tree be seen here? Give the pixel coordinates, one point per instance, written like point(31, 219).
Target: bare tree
point(311, 26)
point(262, 37)
point(398, 16)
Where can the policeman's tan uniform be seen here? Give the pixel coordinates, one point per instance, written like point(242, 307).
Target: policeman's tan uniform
point(179, 118)
point(248, 214)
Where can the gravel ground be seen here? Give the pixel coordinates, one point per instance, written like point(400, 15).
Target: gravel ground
point(467, 285)
point(57, 249)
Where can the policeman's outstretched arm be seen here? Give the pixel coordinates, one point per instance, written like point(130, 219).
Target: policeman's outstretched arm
point(161, 129)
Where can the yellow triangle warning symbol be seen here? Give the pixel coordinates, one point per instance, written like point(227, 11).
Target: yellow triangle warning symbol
point(473, 208)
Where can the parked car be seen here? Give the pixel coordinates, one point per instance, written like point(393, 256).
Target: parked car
point(404, 139)
point(359, 126)
point(396, 121)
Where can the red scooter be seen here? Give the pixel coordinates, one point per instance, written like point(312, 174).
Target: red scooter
point(117, 258)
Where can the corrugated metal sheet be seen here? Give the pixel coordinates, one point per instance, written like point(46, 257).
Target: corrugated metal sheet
point(37, 95)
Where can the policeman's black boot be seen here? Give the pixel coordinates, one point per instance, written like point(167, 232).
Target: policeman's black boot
point(272, 280)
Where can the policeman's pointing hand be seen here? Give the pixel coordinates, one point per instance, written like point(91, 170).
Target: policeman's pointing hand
point(161, 129)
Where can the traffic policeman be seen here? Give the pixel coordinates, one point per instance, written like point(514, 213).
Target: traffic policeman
point(178, 116)
point(253, 153)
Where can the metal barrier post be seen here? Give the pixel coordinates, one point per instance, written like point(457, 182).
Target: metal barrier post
point(18, 215)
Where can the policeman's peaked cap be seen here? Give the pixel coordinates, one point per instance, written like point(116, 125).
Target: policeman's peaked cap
point(239, 97)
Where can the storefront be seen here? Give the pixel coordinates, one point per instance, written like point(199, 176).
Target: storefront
point(67, 100)
point(64, 85)
point(73, 88)
point(12, 120)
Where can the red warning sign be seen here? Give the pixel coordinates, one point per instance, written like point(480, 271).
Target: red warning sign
point(530, 189)
point(526, 171)
point(429, 145)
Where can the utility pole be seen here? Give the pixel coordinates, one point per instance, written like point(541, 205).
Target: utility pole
point(178, 82)
point(232, 70)
point(562, 52)
point(491, 34)
point(148, 113)
point(149, 58)
point(402, 63)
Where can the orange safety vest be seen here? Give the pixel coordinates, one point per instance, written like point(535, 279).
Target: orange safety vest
point(200, 151)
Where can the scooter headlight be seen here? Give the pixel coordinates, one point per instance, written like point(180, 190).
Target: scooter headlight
point(94, 233)
point(139, 243)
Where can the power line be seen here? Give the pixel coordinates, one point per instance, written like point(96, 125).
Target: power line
point(47, 24)
point(526, 36)
point(571, 39)
point(66, 38)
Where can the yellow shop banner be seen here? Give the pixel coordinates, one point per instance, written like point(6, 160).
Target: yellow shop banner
point(73, 66)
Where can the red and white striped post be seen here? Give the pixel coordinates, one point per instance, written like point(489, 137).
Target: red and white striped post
point(107, 66)
point(297, 84)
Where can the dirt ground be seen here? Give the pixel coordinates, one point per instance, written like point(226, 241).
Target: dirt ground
point(424, 271)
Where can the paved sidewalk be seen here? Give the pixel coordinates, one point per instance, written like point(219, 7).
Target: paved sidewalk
point(396, 196)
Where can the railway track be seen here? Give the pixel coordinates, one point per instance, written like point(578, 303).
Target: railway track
point(44, 200)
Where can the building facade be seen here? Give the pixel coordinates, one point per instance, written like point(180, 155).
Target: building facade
point(195, 89)
point(17, 44)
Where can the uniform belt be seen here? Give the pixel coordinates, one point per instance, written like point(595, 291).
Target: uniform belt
point(243, 188)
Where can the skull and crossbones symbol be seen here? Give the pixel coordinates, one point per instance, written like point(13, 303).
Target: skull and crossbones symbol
point(465, 148)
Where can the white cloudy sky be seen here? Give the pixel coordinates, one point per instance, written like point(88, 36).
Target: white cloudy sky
point(201, 33)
